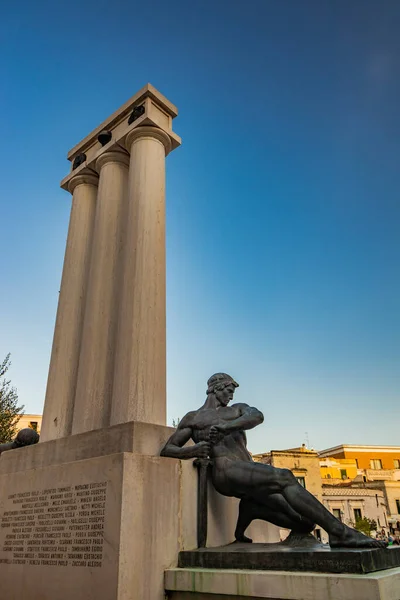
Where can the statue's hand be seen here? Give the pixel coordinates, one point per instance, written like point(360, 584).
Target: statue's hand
point(202, 449)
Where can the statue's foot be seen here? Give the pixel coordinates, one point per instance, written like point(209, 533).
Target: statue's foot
point(240, 537)
point(350, 538)
point(297, 539)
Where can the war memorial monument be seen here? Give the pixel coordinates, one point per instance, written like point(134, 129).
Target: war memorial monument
point(107, 505)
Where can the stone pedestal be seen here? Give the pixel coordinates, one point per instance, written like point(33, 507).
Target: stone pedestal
point(100, 516)
point(217, 584)
point(281, 557)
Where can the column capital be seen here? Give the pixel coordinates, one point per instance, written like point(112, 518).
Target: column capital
point(150, 133)
point(88, 178)
point(113, 156)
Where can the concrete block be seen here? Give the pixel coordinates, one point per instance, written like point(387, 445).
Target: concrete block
point(136, 437)
point(213, 584)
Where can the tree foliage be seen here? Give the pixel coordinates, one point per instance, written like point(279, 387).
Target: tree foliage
point(365, 525)
point(10, 412)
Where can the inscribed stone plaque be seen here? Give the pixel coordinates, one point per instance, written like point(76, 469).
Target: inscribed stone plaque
point(60, 526)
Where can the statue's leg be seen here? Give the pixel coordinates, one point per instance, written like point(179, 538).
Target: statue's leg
point(245, 517)
point(275, 510)
point(258, 482)
point(300, 524)
point(266, 480)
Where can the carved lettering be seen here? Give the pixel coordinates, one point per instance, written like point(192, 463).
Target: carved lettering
point(61, 527)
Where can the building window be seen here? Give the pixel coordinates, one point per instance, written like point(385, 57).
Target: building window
point(357, 514)
point(398, 506)
point(343, 473)
point(301, 481)
point(396, 463)
point(375, 463)
point(33, 425)
point(328, 475)
point(337, 513)
point(356, 459)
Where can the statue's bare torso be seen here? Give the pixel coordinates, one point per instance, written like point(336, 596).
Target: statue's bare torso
point(232, 445)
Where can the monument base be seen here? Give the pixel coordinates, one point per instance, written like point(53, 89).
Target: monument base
point(101, 528)
point(100, 516)
point(281, 557)
point(217, 584)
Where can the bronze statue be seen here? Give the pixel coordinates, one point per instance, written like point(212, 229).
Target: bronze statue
point(265, 492)
point(25, 437)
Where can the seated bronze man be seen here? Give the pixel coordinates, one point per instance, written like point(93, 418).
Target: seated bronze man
point(265, 492)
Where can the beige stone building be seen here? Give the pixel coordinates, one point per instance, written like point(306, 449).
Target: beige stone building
point(32, 421)
point(349, 504)
point(390, 489)
point(378, 471)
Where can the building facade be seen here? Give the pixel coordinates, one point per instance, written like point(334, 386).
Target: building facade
point(349, 504)
point(378, 471)
point(31, 421)
point(367, 458)
point(338, 469)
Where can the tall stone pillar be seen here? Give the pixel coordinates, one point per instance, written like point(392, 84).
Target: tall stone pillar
point(140, 366)
point(96, 362)
point(61, 384)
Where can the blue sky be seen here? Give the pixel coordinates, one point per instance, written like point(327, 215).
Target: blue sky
point(283, 204)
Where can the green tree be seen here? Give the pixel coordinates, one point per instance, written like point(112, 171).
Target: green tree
point(365, 525)
point(10, 412)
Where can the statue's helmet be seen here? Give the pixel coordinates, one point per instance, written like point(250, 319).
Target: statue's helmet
point(219, 381)
point(27, 437)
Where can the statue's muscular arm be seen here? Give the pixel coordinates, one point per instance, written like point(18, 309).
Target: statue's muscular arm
point(174, 446)
point(248, 418)
point(7, 446)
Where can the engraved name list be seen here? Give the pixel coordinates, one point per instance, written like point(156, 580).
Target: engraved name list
point(61, 527)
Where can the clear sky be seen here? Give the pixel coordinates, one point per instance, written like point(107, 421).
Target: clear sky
point(283, 208)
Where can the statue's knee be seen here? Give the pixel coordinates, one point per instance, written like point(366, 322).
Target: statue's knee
point(287, 476)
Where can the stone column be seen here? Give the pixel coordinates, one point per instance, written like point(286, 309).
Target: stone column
point(61, 383)
point(139, 391)
point(96, 361)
